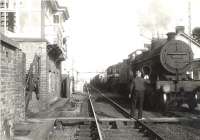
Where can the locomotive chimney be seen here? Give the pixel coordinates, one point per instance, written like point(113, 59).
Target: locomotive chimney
point(171, 36)
point(180, 29)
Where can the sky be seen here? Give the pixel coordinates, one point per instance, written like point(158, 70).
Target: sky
point(103, 32)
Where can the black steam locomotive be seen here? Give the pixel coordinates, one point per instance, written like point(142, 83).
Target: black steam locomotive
point(167, 63)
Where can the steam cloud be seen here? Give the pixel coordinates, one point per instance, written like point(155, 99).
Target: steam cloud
point(155, 19)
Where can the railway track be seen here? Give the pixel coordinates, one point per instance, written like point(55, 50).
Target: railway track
point(174, 126)
point(94, 123)
point(121, 128)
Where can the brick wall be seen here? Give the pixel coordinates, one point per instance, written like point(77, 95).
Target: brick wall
point(12, 86)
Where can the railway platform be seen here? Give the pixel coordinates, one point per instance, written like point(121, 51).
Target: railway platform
point(39, 125)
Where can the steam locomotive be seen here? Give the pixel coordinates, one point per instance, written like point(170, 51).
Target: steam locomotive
point(167, 63)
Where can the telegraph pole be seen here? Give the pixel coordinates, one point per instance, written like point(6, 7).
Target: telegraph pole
point(77, 75)
point(189, 20)
point(73, 80)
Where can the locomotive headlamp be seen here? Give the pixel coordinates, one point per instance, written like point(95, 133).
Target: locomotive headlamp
point(196, 97)
point(165, 97)
point(166, 88)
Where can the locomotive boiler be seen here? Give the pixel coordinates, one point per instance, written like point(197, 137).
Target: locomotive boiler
point(167, 63)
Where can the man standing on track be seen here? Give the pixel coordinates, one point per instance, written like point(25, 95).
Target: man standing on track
point(137, 90)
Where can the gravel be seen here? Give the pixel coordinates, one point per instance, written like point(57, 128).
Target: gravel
point(183, 131)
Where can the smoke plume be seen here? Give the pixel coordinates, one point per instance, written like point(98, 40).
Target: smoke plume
point(155, 18)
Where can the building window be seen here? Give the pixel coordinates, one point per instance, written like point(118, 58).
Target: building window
point(3, 5)
point(10, 20)
point(55, 18)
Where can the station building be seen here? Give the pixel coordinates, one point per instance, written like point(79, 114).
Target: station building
point(195, 46)
point(35, 29)
point(38, 27)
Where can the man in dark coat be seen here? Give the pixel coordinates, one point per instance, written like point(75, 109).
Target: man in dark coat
point(137, 90)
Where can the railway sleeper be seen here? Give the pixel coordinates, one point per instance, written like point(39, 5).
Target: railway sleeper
point(120, 130)
point(84, 126)
point(105, 125)
point(86, 129)
point(87, 122)
point(83, 138)
point(116, 124)
point(123, 132)
point(120, 124)
point(126, 138)
point(124, 135)
point(87, 134)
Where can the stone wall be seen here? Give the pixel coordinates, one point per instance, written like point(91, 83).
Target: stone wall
point(50, 74)
point(54, 77)
point(32, 48)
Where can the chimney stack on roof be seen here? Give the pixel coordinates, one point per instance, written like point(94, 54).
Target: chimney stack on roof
point(180, 29)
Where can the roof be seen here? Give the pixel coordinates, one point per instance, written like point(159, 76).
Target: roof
point(21, 39)
point(180, 31)
point(9, 41)
point(196, 60)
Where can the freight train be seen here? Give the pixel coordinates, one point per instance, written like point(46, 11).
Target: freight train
point(167, 62)
point(118, 77)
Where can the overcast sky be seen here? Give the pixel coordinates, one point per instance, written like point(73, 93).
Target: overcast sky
point(104, 32)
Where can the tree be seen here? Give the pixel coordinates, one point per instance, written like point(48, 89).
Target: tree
point(196, 34)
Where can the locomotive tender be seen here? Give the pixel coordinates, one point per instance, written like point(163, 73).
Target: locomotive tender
point(167, 63)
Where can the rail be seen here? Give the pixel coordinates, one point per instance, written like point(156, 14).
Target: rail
point(154, 135)
point(95, 116)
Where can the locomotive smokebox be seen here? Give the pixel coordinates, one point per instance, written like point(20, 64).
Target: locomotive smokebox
point(176, 56)
point(171, 36)
point(180, 29)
